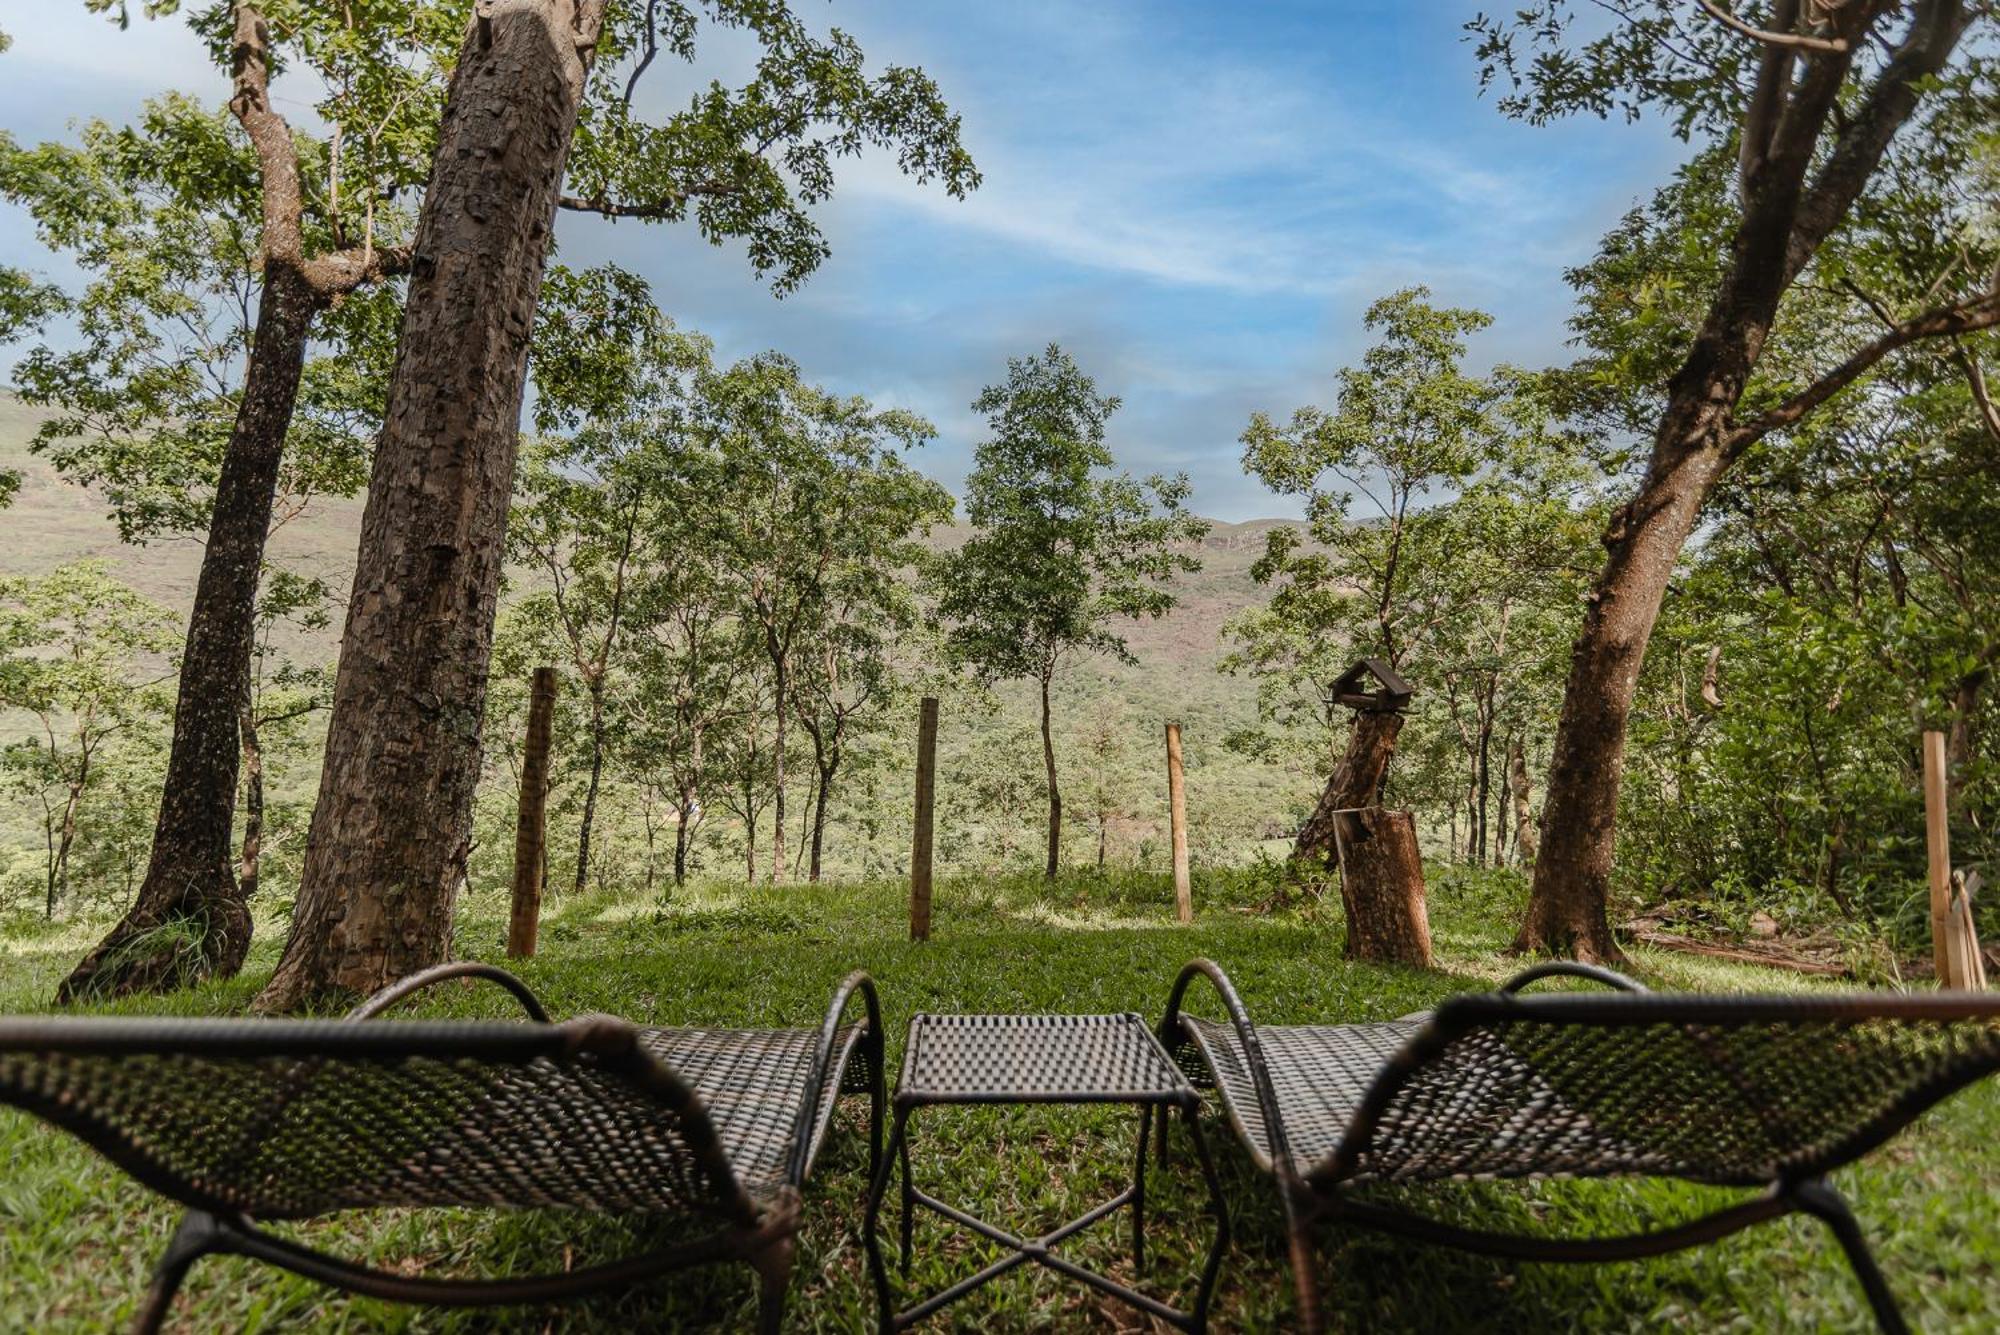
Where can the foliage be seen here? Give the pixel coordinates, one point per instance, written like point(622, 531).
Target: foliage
point(143, 364)
point(1447, 523)
point(74, 645)
point(1059, 547)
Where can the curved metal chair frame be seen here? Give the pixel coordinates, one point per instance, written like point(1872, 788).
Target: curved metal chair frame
point(1321, 1191)
point(760, 1231)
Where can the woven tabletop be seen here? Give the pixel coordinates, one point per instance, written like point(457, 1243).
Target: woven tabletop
point(1037, 1059)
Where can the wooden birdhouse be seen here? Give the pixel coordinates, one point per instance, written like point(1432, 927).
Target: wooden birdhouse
point(1373, 687)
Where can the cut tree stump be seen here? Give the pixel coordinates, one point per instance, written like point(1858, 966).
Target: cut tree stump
point(1382, 886)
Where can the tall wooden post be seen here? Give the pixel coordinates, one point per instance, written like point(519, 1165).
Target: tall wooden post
point(920, 842)
point(531, 828)
point(1177, 824)
point(1937, 834)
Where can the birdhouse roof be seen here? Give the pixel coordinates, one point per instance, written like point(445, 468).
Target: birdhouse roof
point(1389, 691)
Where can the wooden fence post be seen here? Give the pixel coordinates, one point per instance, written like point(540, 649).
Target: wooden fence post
point(1937, 834)
point(1954, 940)
point(1177, 824)
point(531, 828)
point(920, 844)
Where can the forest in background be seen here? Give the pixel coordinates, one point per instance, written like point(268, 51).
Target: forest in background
point(1728, 640)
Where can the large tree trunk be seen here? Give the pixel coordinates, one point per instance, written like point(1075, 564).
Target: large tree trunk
point(189, 877)
point(389, 837)
point(1568, 907)
point(1356, 782)
point(1382, 887)
point(1055, 793)
point(1784, 221)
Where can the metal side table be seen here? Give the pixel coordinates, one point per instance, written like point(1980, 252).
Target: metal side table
point(1050, 1059)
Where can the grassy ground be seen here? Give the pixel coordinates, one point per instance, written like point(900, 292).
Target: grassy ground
point(77, 1239)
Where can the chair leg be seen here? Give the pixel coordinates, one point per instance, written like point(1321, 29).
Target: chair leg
point(1305, 1277)
point(878, 1101)
point(774, 1277)
point(197, 1235)
point(1825, 1204)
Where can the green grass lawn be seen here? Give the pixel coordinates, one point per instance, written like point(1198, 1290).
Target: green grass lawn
point(77, 1239)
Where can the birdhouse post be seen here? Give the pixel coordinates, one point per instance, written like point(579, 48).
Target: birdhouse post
point(1373, 849)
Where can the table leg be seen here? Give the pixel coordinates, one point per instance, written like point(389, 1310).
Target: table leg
point(1139, 1189)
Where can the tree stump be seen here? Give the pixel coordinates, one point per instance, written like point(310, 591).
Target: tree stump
point(1382, 886)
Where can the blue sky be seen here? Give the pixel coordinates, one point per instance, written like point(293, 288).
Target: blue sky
point(1197, 199)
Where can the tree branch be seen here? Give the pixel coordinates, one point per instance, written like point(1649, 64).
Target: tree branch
point(343, 271)
point(270, 136)
point(1944, 322)
point(1975, 377)
point(665, 207)
point(1791, 40)
point(1934, 31)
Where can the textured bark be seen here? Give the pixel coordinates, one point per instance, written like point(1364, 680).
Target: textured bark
point(189, 878)
point(1785, 219)
point(1356, 782)
point(1055, 792)
point(387, 847)
point(1382, 887)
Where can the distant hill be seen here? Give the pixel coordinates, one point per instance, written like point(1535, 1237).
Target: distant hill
point(53, 521)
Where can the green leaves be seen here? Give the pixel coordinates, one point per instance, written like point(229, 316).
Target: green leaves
point(1061, 547)
point(749, 162)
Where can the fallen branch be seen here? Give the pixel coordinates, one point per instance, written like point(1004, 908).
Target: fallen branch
point(1771, 958)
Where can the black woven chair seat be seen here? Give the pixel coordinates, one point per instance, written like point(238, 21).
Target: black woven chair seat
point(1757, 1090)
point(246, 1121)
point(1319, 1073)
point(752, 1082)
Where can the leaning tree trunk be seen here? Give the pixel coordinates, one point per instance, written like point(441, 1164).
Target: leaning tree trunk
point(389, 838)
point(1568, 909)
point(1785, 220)
point(1055, 793)
point(1356, 782)
point(189, 878)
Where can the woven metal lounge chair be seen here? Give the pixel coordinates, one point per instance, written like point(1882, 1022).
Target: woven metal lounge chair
point(1750, 1091)
point(247, 1121)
